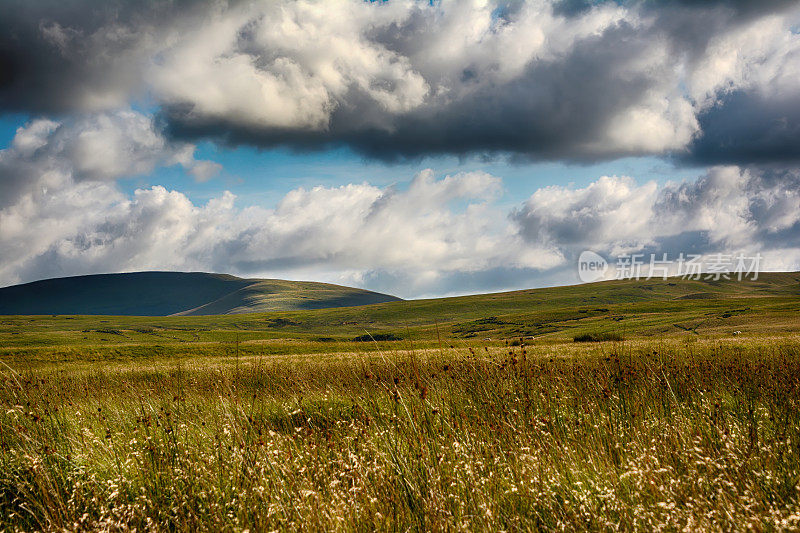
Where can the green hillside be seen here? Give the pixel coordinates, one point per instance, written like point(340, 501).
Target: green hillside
point(174, 293)
point(629, 309)
point(280, 295)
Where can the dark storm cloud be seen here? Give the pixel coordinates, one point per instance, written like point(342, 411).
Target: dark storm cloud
point(749, 129)
point(687, 243)
point(37, 73)
point(742, 8)
point(579, 81)
point(60, 56)
point(552, 110)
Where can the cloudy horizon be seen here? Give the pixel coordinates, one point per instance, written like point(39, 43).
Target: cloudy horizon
point(415, 148)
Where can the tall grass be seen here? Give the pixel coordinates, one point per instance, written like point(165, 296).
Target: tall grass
point(637, 440)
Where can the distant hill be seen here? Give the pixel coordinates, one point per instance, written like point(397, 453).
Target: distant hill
point(175, 293)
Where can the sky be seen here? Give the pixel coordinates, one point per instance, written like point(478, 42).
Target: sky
point(419, 148)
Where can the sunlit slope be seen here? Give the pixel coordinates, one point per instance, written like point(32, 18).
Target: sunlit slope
point(281, 295)
point(169, 293)
point(657, 295)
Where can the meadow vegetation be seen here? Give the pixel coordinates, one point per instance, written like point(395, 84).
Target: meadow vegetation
point(598, 337)
point(683, 429)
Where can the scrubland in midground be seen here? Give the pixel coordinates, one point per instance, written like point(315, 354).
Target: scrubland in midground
point(674, 434)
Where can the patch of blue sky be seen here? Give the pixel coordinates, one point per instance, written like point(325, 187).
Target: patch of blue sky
point(263, 177)
point(8, 127)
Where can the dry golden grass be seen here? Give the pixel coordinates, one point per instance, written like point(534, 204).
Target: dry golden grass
point(685, 433)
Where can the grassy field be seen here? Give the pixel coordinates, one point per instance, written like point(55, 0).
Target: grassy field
point(484, 415)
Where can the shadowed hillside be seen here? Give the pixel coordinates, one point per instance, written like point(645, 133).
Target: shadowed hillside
point(170, 293)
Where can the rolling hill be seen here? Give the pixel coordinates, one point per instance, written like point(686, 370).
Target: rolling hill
point(656, 309)
point(175, 293)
